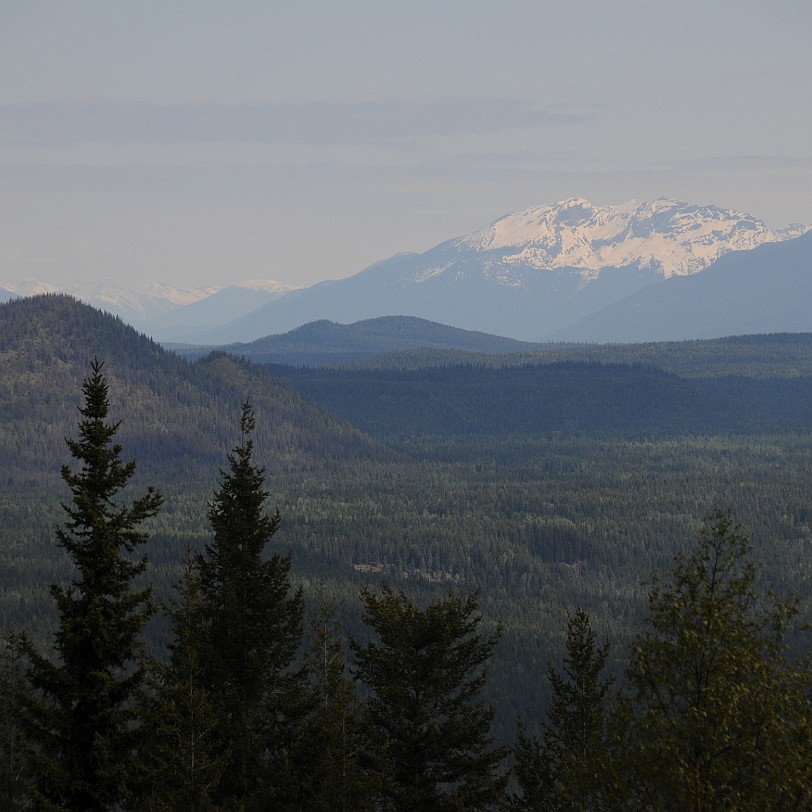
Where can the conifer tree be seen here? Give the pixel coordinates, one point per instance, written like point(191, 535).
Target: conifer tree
point(425, 677)
point(251, 629)
point(184, 757)
point(335, 748)
point(720, 716)
point(81, 727)
point(567, 768)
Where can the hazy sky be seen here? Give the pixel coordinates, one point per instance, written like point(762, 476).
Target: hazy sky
point(206, 143)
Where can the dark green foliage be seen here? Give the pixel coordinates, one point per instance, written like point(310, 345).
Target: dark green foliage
point(425, 679)
point(538, 521)
point(601, 400)
point(720, 717)
point(335, 750)
point(761, 356)
point(184, 758)
point(568, 767)
point(251, 629)
point(81, 726)
point(12, 768)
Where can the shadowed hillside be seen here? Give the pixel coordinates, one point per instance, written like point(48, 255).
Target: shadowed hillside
point(178, 417)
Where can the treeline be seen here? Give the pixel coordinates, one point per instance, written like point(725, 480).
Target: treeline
point(259, 707)
point(762, 355)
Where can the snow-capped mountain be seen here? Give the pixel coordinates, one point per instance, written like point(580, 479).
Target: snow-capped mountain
point(156, 307)
point(675, 237)
point(215, 310)
point(137, 307)
point(528, 274)
point(267, 286)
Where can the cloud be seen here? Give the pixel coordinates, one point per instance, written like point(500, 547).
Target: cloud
point(742, 163)
point(344, 122)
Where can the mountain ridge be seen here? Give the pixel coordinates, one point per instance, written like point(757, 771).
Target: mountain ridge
point(533, 275)
point(681, 238)
point(153, 305)
point(528, 275)
point(765, 290)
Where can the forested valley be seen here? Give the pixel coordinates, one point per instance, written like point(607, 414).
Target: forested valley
point(456, 606)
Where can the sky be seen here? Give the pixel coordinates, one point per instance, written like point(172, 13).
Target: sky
point(202, 144)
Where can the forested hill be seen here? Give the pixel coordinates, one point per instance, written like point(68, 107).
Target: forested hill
point(558, 399)
point(770, 355)
point(324, 342)
point(178, 417)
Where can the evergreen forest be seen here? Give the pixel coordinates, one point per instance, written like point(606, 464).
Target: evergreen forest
point(572, 579)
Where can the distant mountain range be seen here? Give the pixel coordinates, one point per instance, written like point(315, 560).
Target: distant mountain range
point(219, 308)
point(137, 307)
point(569, 271)
point(161, 310)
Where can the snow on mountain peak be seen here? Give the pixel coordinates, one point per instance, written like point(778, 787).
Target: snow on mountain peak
point(177, 296)
point(268, 285)
point(29, 287)
point(678, 237)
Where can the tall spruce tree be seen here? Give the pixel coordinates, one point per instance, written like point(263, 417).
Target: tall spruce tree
point(335, 748)
point(251, 629)
point(567, 769)
point(81, 726)
point(425, 677)
point(184, 760)
point(720, 716)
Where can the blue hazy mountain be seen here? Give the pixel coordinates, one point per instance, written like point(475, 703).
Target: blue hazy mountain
point(766, 290)
point(529, 275)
